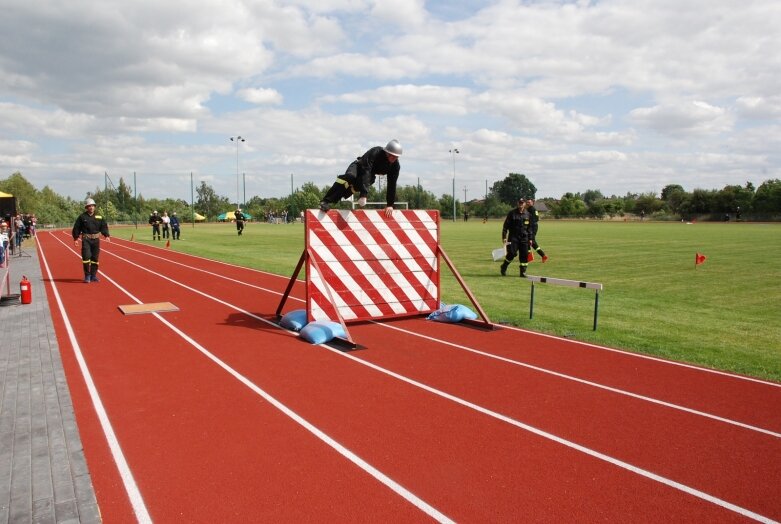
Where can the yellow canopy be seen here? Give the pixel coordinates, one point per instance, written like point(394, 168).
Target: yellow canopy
point(4, 195)
point(199, 218)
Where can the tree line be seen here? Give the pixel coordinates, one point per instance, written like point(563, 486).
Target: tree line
point(118, 204)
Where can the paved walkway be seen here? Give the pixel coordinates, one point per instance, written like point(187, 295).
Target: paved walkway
point(43, 472)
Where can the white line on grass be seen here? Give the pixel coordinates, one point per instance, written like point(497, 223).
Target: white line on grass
point(532, 429)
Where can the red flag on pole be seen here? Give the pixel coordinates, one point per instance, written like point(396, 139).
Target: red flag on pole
point(699, 258)
point(167, 244)
point(132, 237)
point(530, 257)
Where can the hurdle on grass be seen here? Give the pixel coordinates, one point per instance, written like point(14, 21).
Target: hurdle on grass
point(569, 283)
point(362, 265)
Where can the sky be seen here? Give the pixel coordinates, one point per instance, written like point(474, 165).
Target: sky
point(618, 95)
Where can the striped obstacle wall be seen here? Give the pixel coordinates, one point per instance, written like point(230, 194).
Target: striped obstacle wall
point(362, 265)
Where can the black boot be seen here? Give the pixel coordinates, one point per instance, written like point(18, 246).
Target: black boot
point(503, 269)
point(523, 271)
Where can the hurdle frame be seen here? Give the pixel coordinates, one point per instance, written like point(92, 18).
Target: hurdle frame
point(596, 286)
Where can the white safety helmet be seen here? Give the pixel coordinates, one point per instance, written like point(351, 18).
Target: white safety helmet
point(393, 148)
point(89, 202)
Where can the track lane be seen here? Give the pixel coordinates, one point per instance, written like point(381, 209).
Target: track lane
point(178, 434)
point(348, 376)
point(664, 445)
point(742, 399)
point(705, 444)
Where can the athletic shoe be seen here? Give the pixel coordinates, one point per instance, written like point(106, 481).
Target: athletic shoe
point(544, 258)
point(87, 279)
point(95, 278)
point(324, 206)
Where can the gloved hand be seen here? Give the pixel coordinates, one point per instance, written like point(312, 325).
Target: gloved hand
point(362, 201)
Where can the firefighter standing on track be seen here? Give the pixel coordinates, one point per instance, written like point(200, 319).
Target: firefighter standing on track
point(90, 227)
point(517, 230)
point(361, 174)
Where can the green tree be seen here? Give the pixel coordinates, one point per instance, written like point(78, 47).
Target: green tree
point(767, 199)
point(513, 187)
point(208, 203)
point(570, 206)
point(674, 196)
point(55, 209)
point(591, 196)
point(25, 193)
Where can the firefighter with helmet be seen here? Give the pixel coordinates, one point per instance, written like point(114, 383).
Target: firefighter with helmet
point(362, 172)
point(89, 227)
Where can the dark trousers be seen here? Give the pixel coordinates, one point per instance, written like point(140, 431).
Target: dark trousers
point(155, 231)
point(341, 189)
point(175, 231)
point(519, 246)
point(90, 252)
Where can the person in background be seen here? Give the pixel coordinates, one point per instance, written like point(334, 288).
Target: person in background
point(515, 234)
point(534, 215)
point(89, 227)
point(166, 224)
point(20, 231)
point(240, 219)
point(4, 238)
point(155, 221)
point(175, 226)
point(362, 172)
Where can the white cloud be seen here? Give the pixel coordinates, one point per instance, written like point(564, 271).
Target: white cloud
point(616, 95)
point(260, 96)
point(695, 117)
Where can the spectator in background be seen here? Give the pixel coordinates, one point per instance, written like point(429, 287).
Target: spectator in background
point(166, 224)
point(175, 226)
point(4, 238)
point(19, 233)
point(155, 221)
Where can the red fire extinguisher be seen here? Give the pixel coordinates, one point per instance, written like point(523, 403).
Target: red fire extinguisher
point(26, 290)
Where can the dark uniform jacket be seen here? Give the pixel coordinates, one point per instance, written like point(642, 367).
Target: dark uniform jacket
point(362, 173)
point(534, 215)
point(89, 225)
point(155, 219)
point(517, 224)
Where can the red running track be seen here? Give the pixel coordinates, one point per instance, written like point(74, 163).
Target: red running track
point(213, 413)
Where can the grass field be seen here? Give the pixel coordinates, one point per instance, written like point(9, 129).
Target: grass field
point(724, 314)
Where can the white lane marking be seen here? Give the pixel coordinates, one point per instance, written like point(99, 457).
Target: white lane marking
point(545, 335)
point(532, 429)
point(131, 488)
point(589, 383)
point(530, 366)
point(324, 437)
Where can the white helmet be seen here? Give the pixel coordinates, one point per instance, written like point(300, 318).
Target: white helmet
point(89, 202)
point(393, 148)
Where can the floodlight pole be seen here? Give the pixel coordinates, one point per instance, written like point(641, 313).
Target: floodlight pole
point(237, 139)
point(453, 153)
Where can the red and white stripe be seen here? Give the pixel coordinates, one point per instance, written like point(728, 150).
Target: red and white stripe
point(372, 267)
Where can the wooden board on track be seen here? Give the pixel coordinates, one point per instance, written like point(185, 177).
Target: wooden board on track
point(153, 307)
